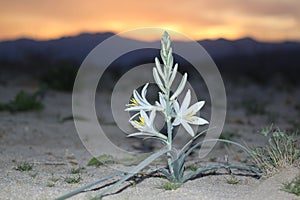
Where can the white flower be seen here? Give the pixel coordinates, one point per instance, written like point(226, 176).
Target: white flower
point(185, 115)
point(139, 102)
point(145, 126)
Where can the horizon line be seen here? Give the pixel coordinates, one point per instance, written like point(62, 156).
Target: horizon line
point(41, 39)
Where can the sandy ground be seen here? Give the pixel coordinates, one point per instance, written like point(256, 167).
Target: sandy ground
point(55, 148)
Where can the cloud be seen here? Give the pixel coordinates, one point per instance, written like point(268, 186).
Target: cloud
point(215, 18)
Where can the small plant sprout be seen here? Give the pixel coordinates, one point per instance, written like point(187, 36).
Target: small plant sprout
point(169, 185)
point(72, 179)
point(78, 170)
point(232, 180)
point(103, 159)
point(24, 166)
point(175, 113)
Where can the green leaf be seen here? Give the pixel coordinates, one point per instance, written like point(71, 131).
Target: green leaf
point(131, 172)
point(104, 159)
point(79, 190)
point(166, 173)
point(178, 167)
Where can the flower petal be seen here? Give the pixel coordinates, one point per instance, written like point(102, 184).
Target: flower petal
point(197, 120)
point(138, 98)
point(144, 91)
point(152, 117)
point(176, 107)
point(144, 115)
point(176, 121)
point(162, 100)
point(136, 125)
point(133, 116)
point(186, 101)
point(195, 107)
point(188, 128)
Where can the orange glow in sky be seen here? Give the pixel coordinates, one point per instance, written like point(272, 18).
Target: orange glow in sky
point(268, 20)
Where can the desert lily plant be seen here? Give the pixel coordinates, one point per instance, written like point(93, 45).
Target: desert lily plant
point(175, 114)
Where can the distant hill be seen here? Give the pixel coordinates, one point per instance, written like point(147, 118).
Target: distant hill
point(244, 56)
point(69, 48)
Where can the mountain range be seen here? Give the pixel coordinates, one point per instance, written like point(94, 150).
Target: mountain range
point(242, 56)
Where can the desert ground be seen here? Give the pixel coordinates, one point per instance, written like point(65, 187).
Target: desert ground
point(50, 143)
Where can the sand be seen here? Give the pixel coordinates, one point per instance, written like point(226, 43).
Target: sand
point(55, 148)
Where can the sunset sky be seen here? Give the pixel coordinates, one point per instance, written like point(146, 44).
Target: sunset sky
point(264, 20)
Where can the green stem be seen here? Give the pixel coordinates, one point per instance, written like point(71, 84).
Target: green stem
point(169, 129)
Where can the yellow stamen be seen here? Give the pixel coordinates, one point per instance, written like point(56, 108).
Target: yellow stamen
point(190, 119)
point(190, 113)
point(137, 127)
point(140, 123)
point(133, 102)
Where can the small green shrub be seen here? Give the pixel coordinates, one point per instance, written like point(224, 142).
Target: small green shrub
point(104, 159)
point(53, 178)
point(50, 184)
point(281, 151)
point(72, 179)
point(169, 185)
point(232, 180)
point(78, 170)
point(24, 102)
point(24, 166)
point(293, 186)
